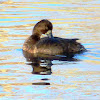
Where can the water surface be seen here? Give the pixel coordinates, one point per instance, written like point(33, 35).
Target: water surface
point(77, 79)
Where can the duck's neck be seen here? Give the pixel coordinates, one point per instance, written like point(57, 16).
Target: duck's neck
point(35, 37)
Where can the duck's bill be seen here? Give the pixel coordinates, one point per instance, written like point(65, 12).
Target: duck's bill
point(49, 34)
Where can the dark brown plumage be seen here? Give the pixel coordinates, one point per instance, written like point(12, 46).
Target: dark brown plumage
point(50, 45)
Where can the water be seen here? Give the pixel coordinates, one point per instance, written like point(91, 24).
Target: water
point(20, 79)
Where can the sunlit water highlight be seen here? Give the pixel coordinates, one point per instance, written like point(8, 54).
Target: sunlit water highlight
point(79, 79)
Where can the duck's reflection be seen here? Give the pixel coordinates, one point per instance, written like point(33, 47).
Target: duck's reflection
point(39, 68)
point(41, 64)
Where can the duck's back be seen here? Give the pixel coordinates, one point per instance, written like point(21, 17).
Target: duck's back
point(58, 46)
point(49, 46)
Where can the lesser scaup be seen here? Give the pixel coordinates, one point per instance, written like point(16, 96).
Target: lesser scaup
point(50, 45)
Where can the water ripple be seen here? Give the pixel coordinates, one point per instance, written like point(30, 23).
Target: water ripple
point(22, 78)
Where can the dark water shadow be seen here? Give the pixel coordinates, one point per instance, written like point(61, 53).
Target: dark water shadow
point(41, 83)
point(41, 64)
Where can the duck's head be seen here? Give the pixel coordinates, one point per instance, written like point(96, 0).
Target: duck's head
point(43, 27)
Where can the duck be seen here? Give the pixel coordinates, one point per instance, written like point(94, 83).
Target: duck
point(50, 45)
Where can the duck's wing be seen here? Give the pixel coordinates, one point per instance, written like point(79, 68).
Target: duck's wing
point(59, 46)
point(67, 40)
point(49, 46)
point(71, 45)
